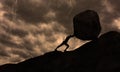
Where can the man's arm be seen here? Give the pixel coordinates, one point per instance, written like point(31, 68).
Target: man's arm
point(65, 42)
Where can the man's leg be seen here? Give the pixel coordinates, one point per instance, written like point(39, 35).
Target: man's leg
point(67, 46)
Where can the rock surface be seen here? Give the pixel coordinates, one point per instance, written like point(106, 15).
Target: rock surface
point(86, 25)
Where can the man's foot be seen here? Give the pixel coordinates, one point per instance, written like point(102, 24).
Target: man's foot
point(65, 50)
point(55, 49)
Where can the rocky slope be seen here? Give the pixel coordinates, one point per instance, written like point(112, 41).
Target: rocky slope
point(100, 55)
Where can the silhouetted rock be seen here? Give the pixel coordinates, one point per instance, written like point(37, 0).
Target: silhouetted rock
point(87, 25)
point(100, 55)
point(108, 52)
point(8, 68)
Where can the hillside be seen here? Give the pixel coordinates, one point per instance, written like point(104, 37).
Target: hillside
point(100, 55)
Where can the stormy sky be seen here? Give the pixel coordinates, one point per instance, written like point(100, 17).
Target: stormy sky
point(29, 28)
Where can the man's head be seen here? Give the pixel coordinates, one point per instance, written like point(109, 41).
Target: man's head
point(86, 25)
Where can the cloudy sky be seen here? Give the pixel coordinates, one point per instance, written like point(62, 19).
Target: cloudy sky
point(29, 28)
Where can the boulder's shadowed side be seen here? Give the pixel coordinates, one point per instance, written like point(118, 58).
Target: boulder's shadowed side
point(86, 25)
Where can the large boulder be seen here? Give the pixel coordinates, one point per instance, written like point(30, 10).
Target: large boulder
point(86, 25)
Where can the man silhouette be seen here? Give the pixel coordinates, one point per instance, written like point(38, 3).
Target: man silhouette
point(65, 42)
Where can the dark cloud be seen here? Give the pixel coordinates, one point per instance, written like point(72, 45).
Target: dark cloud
point(109, 16)
point(21, 53)
point(28, 45)
point(17, 32)
point(8, 43)
point(27, 11)
point(35, 12)
point(5, 40)
point(109, 13)
point(30, 12)
point(4, 36)
point(115, 5)
point(3, 52)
